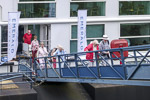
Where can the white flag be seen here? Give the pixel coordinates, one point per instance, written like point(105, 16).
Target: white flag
point(13, 24)
point(82, 43)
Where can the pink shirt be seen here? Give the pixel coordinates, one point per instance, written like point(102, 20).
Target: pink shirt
point(34, 45)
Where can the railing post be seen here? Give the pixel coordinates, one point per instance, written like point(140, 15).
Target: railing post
point(135, 57)
point(45, 66)
point(123, 64)
point(112, 63)
point(59, 62)
point(76, 63)
point(97, 65)
point(35, 67)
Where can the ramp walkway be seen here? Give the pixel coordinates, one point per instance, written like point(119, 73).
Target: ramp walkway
point(133, 69)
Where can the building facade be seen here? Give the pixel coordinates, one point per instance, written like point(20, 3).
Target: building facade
point(55, 21)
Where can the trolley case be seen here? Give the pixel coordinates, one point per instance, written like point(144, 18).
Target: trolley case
point(119, 43)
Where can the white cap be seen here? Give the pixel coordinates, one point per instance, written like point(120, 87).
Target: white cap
point(105, 37)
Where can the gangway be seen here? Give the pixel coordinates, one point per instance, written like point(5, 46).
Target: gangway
point(133, 70)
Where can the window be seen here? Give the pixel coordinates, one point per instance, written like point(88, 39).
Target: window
point(93, 32)
point(4, 38)
point(93, 8)
point(136, 33)
point(137, 29)
point(35, 30)
point(37, 10)
point(134, 8)
point(138, 41)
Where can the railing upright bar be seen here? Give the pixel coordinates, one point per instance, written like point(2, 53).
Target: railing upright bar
point(112, 63)
point(97, 65)
point(35, 67)
point(136, 62)
point(59, 62)
point(123, 62)
point(46, 71)
point(76, 63)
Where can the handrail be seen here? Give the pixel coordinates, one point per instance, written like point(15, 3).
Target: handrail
point(142, 47)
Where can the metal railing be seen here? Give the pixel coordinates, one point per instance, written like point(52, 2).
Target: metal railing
point(74, 67)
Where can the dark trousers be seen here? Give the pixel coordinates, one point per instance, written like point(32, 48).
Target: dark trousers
point(33, 55)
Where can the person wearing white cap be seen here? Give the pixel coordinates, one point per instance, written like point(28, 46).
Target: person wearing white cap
point(104, 45)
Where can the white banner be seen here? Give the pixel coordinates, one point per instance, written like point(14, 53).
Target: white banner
point(82, 43)
point(13, 24)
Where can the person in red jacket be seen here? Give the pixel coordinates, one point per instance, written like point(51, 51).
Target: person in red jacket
point(27, 37)
point(91, 47)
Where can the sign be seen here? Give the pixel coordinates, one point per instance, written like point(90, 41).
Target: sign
point(82, 43)
point(13, 23)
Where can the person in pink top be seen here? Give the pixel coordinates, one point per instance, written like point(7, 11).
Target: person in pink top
point(35, 47)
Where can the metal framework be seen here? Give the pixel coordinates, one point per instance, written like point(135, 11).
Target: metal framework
point(24, 71)
point(131, 70)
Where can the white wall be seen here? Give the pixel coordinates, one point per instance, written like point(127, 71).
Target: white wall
point(112, 7)
point(60, 35)
point(62, 9)
point(8, 6)
point(112, 30)
point(0, 13)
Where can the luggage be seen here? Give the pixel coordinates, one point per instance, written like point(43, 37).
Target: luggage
point(119, 43)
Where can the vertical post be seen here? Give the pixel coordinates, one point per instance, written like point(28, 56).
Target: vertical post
point(59, 66)
point(97, 65)
point(135, 57)
point(122, 57)
point(46, 72)
point(35, 67)
point(112, 63)
point(76, 63)
point(123, 64)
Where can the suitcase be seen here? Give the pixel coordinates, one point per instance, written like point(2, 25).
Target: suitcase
point(119, 43)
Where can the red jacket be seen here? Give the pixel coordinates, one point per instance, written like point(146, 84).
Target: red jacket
point(89, 56)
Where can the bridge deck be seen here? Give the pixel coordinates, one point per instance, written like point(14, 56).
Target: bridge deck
point(133, 69)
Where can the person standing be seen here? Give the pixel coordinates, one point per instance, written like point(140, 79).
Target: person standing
point(42, 52)
point(60, 51)
point(53, 59)
point(35, 47)
point(93, 46)
point(27, 37)
point(104, 45)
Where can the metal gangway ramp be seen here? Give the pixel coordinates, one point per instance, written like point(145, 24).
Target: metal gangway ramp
point(133, 70)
